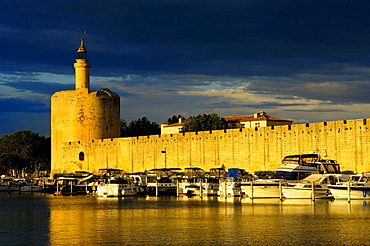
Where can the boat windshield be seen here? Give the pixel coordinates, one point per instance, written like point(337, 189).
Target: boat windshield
point(194, 172)
point(305, 159)
point(328, 168)
point(218, 172)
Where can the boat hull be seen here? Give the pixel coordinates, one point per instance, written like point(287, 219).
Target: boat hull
point(355, 193)
point(116, 190)
point(261, 189)
point(231, 189)
point(161, 189)
point(306, 193)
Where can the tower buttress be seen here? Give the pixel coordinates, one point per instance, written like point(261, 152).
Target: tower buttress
point(82, 68)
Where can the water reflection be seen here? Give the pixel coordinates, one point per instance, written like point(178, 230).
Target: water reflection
point(24, 219)
point(87, 220)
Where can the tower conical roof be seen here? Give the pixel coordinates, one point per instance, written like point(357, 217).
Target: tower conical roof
point(82, 47)
point(82, 52)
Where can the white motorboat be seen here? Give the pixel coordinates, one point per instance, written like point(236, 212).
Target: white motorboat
point(69, 186)
point(28, 186)
point(197, 182)
point(8, 184)
point(204, 188)
point(11, 184)
point(116, 187)
point(294, 168)
point(262, 188)
point(163, 182)
point(115, 183)
point(271, 187)
point(313, 187)
point(351, 187)
point(231, 186)
point(211, 185)
point(140, 180)
point(190, 183)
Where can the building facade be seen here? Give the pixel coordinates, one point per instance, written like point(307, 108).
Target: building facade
point(258, 119)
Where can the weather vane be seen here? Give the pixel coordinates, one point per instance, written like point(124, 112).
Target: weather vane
point(82, 33)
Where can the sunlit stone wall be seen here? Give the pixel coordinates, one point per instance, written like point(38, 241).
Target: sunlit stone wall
point(82, 115)
point(346, 141)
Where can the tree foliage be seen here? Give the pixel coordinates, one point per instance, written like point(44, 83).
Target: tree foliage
point(123, 128)
point(174, 119)
point(139, 127)
point(24, 150)
point(204, 122)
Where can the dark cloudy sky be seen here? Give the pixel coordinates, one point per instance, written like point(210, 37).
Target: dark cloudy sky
point(302, 60)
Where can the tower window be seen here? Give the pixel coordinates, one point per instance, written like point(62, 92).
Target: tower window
point(81, 156)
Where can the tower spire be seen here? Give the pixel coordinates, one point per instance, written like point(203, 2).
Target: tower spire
point(82, 52)
point(82, 67)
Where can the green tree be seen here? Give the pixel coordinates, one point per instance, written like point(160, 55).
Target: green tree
point(25, 150)
point(141, 127)
point(123, 131)
point(174, 119)
point(204, 122)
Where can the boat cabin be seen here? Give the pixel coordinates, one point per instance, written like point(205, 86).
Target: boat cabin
point(193, 172)
point(314, 160)
point(164, 175)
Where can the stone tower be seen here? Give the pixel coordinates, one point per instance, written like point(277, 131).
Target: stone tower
point(82, 114)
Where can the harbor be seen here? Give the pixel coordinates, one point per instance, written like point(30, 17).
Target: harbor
point(304, 176)
point(184, 123)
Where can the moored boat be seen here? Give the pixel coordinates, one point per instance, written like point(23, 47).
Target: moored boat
point(8, 184)
point(114, 182)
point(211, 185)
point(28, 185)
point(231, 186)
point(69, 186)
point(350, 187)
point(191, 183)
point(162, 182)
point(117, 187)
point(313, 187)
point(294, 168)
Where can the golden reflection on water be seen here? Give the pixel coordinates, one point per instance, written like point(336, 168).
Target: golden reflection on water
point(88, 220)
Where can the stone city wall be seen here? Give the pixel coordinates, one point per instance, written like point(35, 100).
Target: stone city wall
point(346, 141)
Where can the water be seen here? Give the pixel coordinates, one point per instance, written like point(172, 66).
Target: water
point(37, 219)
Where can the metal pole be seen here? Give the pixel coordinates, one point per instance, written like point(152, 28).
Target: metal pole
point(225, 189)
point(349, 191)
point(156, 188)
point(177, 188)
point(313, 191)
point(200, 189)
point(280, 190)
point(251, 195)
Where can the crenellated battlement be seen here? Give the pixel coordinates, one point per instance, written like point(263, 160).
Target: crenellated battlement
point(253, 149)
